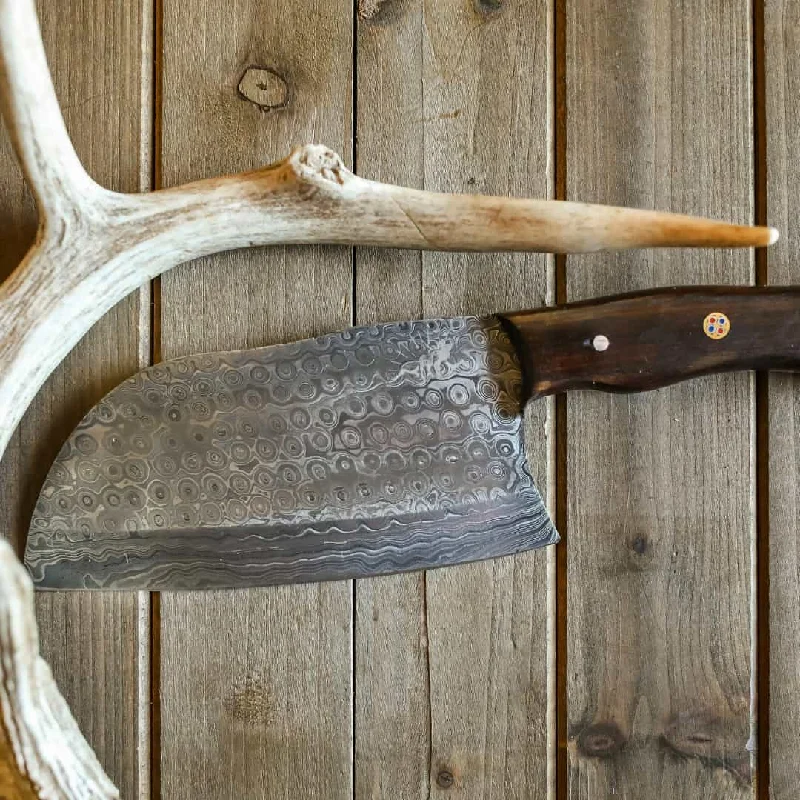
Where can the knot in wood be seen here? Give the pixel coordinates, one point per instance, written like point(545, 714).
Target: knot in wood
point(265, 88)
point(694, 732)
point(601, 740)
point(639, 552)
point(718, 737)
point(368, 9)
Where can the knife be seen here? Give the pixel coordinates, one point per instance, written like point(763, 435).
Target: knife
point(381, 449)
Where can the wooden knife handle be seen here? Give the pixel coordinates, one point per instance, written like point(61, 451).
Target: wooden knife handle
point(641, 341)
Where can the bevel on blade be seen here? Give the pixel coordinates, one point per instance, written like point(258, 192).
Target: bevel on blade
point(255, 556)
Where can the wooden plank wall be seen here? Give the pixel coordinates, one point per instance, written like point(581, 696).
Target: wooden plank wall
point(454, 98)
point(781, 47)
point(97, 644)
point(445, 684)
point(661, 517)
point(256, 693)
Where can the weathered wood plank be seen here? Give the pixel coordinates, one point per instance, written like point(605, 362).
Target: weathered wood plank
point(96, 644)
point(451, 684)
point(660, 487)
point(782, 51)
point(256, 689)
point(392, 710)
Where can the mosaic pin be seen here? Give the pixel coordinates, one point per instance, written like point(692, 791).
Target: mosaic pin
point(717, 325)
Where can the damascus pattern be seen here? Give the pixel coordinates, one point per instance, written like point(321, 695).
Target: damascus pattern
point(379, 449)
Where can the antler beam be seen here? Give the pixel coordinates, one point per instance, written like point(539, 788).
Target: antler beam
point(95, 246)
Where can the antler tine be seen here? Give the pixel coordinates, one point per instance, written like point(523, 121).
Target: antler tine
point(33, 117)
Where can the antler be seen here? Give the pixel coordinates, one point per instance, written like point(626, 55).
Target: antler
point(51, 757)
point(95, 246)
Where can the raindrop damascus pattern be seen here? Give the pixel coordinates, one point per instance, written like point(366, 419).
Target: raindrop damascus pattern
point(380, 449)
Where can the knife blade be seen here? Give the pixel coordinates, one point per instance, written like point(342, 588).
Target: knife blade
point(380, 449)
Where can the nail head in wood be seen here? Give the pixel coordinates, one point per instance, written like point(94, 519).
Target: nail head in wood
point(445, 779)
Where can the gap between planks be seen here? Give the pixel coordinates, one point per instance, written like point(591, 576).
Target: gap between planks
point(760, 594)
point(559, 784)
point(153, 765)
point(145, 662)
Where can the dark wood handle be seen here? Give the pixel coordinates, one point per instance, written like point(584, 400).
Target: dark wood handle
point(635, 342)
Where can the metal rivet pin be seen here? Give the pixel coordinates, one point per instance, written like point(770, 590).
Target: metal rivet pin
point(600, 343)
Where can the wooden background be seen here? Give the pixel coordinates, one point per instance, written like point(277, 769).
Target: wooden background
point(654, 653)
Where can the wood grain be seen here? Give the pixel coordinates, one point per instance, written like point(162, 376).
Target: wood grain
point(451, 682)
point(782, 50)
point(97, 646)
point(646, 340)
point(256, 686)
point(660, 499)
point(392, 689)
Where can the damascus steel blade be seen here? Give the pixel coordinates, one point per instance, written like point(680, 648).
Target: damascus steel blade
point(380, 449)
